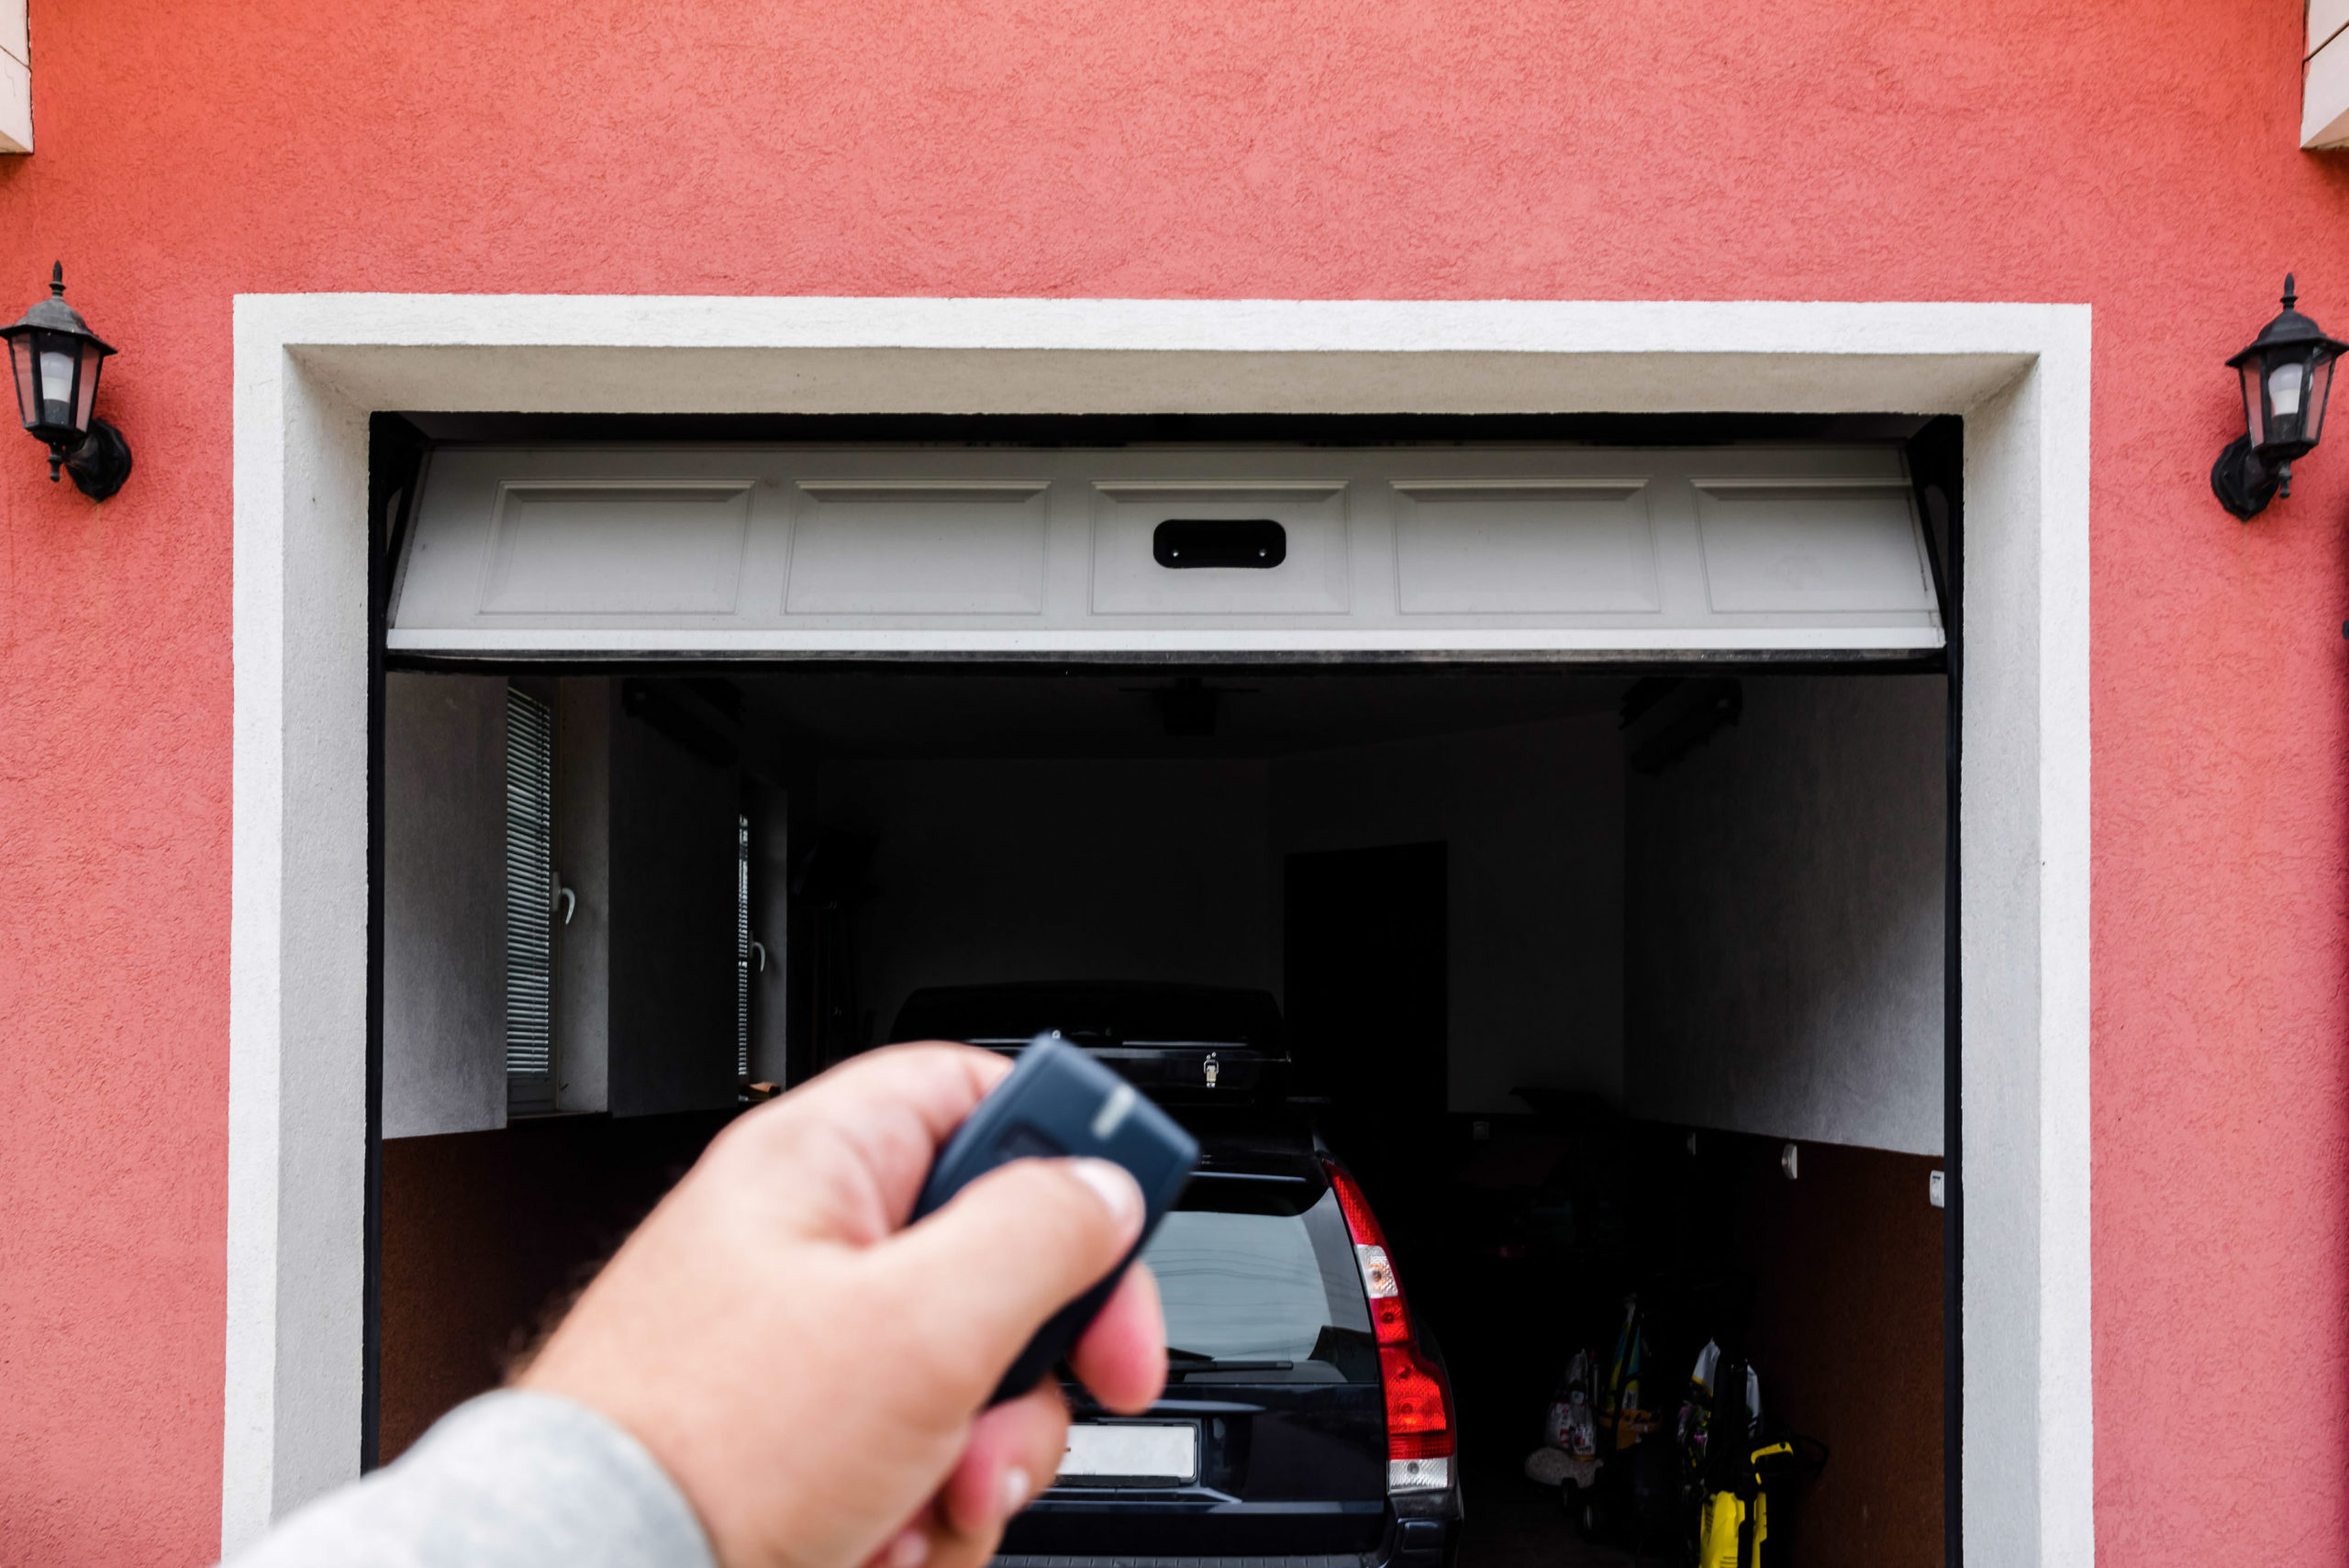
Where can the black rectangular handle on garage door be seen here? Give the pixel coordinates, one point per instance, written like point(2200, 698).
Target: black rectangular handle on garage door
point(1249, 543)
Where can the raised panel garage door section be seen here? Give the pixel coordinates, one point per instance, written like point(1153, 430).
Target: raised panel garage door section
point(587, 548)
point(1551, 552)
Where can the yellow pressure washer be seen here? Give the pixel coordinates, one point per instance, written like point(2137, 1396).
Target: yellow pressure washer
point(1734, 1526)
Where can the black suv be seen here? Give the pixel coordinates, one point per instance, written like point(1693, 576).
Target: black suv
point(1305, 1423)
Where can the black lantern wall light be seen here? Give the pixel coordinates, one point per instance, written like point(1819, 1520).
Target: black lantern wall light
point(56, 359)
point(2287, 376)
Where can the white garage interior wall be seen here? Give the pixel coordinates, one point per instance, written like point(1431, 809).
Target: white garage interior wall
point(1065, 869)
point(1533, 816)
point(1785, 919)
point(1765, 913)
point(644, 842)
point(444, 904)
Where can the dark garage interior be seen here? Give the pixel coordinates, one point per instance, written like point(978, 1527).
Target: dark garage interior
point(1607, 984)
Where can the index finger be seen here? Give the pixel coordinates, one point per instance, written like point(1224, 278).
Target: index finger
point(1122, 1356)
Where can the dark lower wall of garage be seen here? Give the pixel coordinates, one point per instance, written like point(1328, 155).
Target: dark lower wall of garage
point(487, 1234)
point(1519, 1237)
point(1846, 1332)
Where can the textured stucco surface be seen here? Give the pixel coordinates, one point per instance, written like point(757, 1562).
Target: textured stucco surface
point(1784, 927)
point(2138, 158)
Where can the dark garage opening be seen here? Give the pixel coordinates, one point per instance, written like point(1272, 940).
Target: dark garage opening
point(1606, 984)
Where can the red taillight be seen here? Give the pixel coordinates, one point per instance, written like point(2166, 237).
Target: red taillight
point(1419, 1419)
point(1361, 1223)
point(1418, 1409)
point(1389, 1316)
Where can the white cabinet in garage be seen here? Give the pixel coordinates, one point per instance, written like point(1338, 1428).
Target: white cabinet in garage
point(1557, 552)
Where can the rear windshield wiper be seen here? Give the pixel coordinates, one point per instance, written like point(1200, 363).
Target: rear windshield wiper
point(1193, 1361)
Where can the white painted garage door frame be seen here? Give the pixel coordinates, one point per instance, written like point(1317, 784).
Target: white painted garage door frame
point(310, 367)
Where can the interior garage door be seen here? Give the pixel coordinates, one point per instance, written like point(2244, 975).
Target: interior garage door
point(1539, 552)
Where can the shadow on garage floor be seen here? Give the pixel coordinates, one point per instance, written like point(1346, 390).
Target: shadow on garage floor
point(1516, 1523)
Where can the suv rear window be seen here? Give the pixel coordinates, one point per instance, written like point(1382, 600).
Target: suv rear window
point(1260, 1285)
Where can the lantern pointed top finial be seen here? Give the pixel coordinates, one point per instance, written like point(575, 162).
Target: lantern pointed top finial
point(2292, 293)
point(57, 279)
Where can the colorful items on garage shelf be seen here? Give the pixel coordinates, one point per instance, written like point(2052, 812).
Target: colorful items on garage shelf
point(1572, 1424)
point(1696, 1410)
point(1705, 1483)
point(1624, 1413)
point(1569, 1453)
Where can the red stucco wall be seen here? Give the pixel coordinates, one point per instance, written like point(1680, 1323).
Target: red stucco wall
point(2140, 158)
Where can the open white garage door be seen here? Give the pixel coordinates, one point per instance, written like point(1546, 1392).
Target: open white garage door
point(1543, 552)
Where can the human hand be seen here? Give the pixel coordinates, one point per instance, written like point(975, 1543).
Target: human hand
point(811, 1375)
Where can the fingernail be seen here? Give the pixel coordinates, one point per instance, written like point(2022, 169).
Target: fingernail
point(909, 1549)
point(1112, 1186)
point(1016, 1488)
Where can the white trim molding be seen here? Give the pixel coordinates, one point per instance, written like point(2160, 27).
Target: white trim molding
point(15, 78)
point(2324, 88)
point(309, 368)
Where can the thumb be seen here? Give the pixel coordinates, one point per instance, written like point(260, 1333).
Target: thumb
point(1012, 1249)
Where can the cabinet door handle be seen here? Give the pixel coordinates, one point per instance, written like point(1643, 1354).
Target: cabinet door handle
point(568, 899)
point(761, 948)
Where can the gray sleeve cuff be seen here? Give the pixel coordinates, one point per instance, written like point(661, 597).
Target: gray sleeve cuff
point(509, 1480)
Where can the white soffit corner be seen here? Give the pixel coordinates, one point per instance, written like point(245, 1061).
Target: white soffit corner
point(310, 367)
point(2324, 104)
point(15, 79)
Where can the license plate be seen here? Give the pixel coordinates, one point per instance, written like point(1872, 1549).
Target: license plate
point(1131, 1454)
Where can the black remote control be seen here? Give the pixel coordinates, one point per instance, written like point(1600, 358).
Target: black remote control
point(1059, 1101)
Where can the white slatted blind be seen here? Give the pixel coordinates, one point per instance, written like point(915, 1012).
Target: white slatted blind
point(530, 904)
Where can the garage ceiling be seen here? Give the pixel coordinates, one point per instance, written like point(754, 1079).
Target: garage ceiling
point(879, 713)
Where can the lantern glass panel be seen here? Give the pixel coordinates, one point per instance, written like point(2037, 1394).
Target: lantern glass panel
point(2254, 401)
point(20, 359)
point(86, 394)
point(2319, 394)
point(49, 382)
